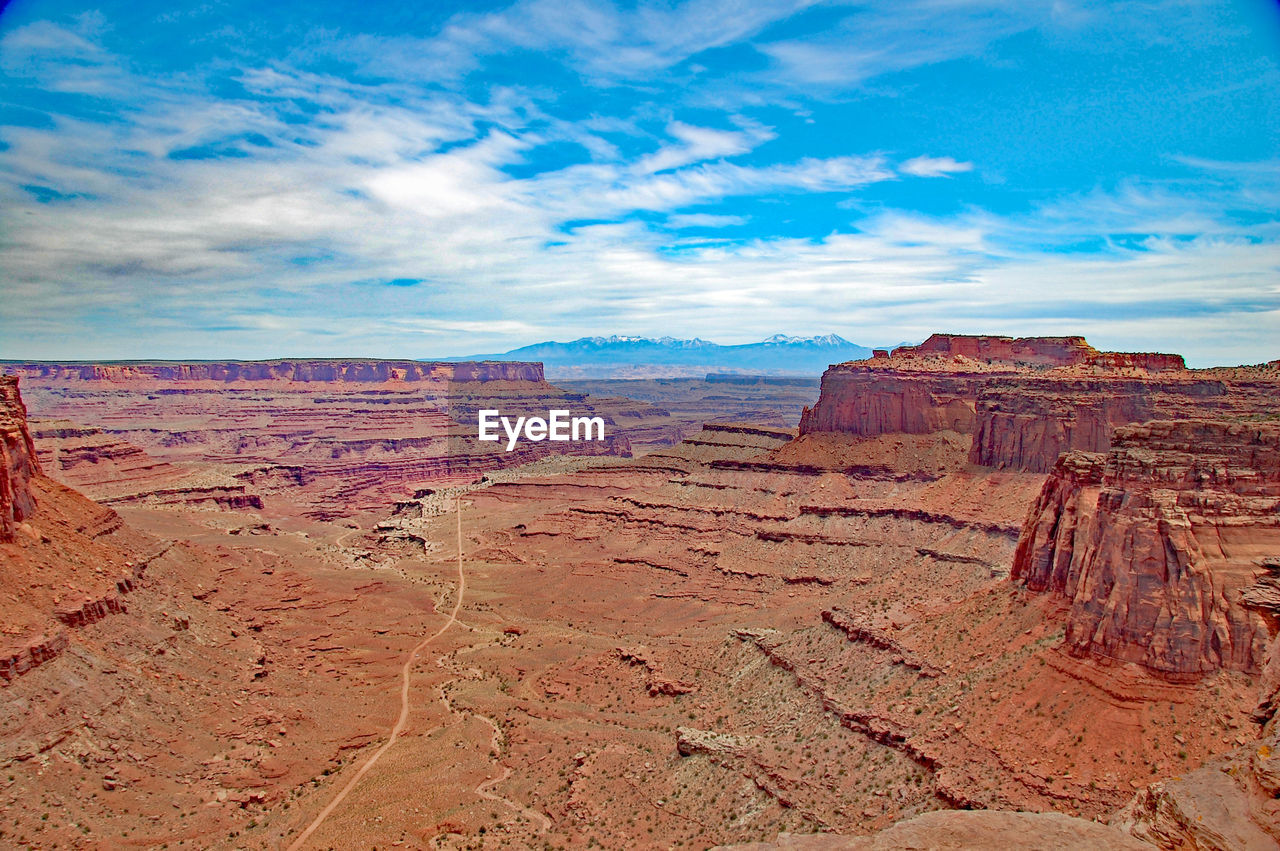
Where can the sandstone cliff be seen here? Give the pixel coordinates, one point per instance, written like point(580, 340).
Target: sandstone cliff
point(1037, 351)
point(870, 400)
point(325, 371)
point(1024, 401)
point(336, 436)
point(17, 460)
point(64, 559)
point(1157, 545)
point(1025, 422)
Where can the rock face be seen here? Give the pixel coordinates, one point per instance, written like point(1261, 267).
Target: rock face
point(1037, 351)
point(17, 460)
point(1026, 422)
point(55, 553)
point(1024, 401)
point(1044, 351)
point(871, 400)
point(960, 829)
point(112, 471)
point(1228, 803)
point(336, 437)
point(1159, 545)
point(306, 371)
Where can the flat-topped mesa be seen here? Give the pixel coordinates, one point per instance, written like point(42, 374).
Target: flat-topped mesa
point(1160, 545)
point(1041, 351)
point(1146, 361)
point(356, 371)
point(1024, 401)
point(17, 460)
point(1036, 352)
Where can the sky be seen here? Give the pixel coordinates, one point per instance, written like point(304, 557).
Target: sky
point(252, 179)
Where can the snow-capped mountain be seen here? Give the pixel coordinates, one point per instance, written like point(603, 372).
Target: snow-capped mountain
point(825, 340)
point(630, 356)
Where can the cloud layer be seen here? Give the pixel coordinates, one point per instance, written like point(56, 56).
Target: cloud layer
point(711, 169)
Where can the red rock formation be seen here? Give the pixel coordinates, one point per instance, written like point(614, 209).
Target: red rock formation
point(1157, 543)
point(1147, 361)
point(1026, 422)
point(1037, 351)
point(14, 662)
point(1043, 351)
point(868, 399)
point(112, 471)
point(55, 555)
point(17, 459)
point(1024, 401)
point(325, 371)
point(1228, 803)
point(336, 436)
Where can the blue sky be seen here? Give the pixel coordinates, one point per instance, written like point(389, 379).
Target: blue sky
point(249, 179)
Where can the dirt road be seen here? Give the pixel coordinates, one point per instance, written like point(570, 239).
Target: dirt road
point(405, 705)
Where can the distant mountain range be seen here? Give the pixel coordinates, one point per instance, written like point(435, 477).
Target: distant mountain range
point(646, 357)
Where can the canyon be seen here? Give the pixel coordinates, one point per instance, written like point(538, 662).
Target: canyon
point(957, 592)
point(330, 438)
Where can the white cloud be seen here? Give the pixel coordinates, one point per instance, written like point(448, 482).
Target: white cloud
point(704, 220)
point(934, 167)
point(284, 251)
point(698, 144)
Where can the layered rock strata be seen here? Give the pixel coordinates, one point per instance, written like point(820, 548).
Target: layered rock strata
point(17, 460)
point(284, 371)
point(1022, 402)
point(113, 471)
point(335, 437)
point(1158, 545)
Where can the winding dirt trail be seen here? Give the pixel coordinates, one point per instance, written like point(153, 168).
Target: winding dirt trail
point(405, 706)
point(544, 823)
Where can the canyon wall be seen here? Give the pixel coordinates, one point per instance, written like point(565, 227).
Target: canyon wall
point(332, 436)
point(1024, 401)
point(1037, 352)
point(1025, 422)
point(361, 371)
point(1045, 351)
point(1161, 545)
point(870, 400)
point(17, 459)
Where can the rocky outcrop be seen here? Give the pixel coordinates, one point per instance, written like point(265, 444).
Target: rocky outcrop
point(16, 662)
point(17, 460)
point(78, 613)
point(1158, 545)
point(690, 741)
point(1037, 351)
point(307, 371)
point(113, 471)
point(961, 829)
point(1026, 422)
point(1024, 401)
point(863, 630)
point(338, 436)
point(1042, 351)
point(931, 387)
point(1227, 804)
point(871, 400)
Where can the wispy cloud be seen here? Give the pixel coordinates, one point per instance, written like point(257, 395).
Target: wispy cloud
point(934, 167)
point(697, 144)
point(704, 220)
point(156, 214)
